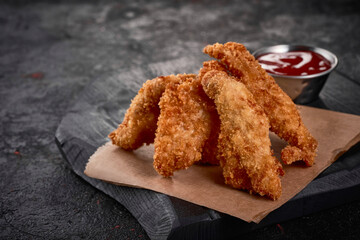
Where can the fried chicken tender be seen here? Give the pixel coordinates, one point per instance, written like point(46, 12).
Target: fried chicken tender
point(184, 125)
point(140, 121)
point(209, 155)
point(244, 143)
point(284, 118)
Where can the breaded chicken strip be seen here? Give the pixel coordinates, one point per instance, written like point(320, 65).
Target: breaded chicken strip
point(284, 118)
point(139, 124)
point(211, 65)
point(209, 155)
point(244, 144)
point(183, 127)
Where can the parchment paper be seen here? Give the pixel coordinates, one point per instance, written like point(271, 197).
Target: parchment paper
point(204, 185)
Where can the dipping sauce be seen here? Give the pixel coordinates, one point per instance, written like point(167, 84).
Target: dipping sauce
point(294, 63)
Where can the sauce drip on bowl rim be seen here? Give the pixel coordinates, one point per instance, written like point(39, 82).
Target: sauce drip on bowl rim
point(294, 63)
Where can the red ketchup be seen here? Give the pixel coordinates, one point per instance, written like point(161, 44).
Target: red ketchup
point(294, 63)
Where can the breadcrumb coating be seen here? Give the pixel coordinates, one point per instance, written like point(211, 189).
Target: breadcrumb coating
point(244, 144)
point(140, 121)
point(284, 117)
point(183, 127)
point(209, 155)
point(221, 116)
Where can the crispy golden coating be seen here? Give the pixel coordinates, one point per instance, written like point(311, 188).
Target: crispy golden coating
point(244, 144)
point(211, 65)
point(215, 118)
point(209, 155)
point(139, 124)
point(284, 118)
point(183, 127)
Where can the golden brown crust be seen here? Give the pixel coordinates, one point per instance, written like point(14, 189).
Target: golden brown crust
point(244, 144)
point(284, 118)
point(209, 155)
point(139, 124)
point(215, 118)
point(183, 127)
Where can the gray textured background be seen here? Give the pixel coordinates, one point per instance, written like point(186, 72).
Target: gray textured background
point(50, 51)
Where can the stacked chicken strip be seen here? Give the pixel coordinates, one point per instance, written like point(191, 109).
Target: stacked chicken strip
point(220, 116)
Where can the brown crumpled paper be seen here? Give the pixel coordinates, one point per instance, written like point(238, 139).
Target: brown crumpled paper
point(204, 185)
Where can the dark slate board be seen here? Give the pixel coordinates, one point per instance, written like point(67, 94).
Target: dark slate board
point(101, 107)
